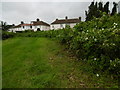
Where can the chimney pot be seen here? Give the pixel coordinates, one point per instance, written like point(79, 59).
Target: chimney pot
point(38, 19)
point(22, 22)
point(80, 18)
point(66, 17)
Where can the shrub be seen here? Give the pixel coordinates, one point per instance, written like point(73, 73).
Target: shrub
point(6, 35)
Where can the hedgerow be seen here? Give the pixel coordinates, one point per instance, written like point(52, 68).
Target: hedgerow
point(6, 35)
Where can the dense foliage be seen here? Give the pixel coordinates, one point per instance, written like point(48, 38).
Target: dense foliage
point(96, 10)
point(6, 35)
point(96, 42)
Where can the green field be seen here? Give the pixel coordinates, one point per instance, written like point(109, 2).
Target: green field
point(44, 63)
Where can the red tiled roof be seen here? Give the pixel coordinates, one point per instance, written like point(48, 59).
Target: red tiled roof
point(62, 21)
point(16, 26)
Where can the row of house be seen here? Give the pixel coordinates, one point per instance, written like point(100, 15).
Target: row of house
point(43, 26)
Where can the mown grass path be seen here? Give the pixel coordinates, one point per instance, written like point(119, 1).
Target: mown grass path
point(44, 63)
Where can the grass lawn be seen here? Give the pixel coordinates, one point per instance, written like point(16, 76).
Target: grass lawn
point(44, 63)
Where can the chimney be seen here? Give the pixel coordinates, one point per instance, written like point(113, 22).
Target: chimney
point(66, 17)
point(80, 18)
point(22, 22)
point(37, 19)
point(56, 19)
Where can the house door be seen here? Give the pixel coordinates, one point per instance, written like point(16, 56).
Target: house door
point(38, 29)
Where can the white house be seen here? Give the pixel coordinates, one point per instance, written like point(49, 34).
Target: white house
point(61, 23)
point(20, 27)
point(26, 27)
point(40, 25)
point(15, 28)
point(35, 26)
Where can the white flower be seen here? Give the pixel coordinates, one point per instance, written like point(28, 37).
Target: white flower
point(95, 39)
point(110, 60)
point(95, 58)
point(113, 44)
point(114, 26)
point(115, 23)
point(102, 28)
point(83, 32)
point(86, 38)
point(97, 75)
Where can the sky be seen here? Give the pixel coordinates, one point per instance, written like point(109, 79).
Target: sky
point(27, 11)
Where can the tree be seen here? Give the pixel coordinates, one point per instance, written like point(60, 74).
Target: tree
point(92, 12)
point(5, 27)
point(3, 24)
point(100, 7)
point(89, 14)
point(97, 11)
point(106, 8)
point(114, 9)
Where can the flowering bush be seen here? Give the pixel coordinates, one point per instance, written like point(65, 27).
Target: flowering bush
point(96, 41)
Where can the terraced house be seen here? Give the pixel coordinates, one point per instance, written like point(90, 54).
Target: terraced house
point(34, 26)
point(40, 25)
point(61, 23)
point(43, 26)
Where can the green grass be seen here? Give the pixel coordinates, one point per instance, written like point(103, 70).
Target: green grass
point(44, 63)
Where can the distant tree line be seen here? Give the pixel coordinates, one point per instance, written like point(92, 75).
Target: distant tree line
point(4, 26)
point(96, 9)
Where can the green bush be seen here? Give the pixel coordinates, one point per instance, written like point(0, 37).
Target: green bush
point(6, 35)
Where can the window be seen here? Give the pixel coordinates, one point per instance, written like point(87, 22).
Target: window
point(52, 26)
point(23, 27)
point(68, 24)
point(61, 25)
point(31, 27)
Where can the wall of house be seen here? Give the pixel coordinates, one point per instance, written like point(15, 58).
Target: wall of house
point(36, 27)
point(60, 26)
point(14, 29)
point(57, 26)
point(17, 29)
point(72, 24)
point(25, 28)
point(42, 27)
point(45, 28)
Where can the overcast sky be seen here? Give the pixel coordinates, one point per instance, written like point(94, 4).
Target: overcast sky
point(15, 12)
